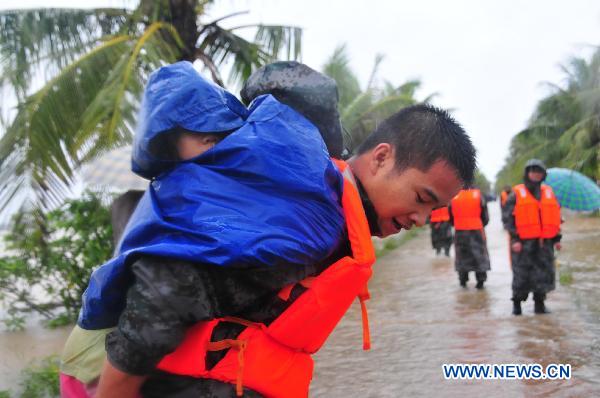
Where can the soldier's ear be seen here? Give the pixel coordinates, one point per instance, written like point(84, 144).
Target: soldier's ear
point(381, 158)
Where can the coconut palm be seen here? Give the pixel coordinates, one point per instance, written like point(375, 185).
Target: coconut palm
point(564, 130)
point(92, 65)
point(581, 140)
point(361, 110)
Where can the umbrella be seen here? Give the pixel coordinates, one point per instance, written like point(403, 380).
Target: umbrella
point(574, 190)
point(113, 171)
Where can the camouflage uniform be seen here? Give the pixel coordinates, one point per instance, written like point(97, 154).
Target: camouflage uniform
point(169, 296)
point(533, 268)
point(471, 252)
point(441, 236)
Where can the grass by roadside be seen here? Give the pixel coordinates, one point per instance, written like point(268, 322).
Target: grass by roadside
point(386, 245)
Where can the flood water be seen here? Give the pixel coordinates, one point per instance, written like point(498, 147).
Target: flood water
point(420, 319)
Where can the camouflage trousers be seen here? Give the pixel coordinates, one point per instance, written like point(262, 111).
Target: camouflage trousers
point(441, 235)
point(533, 269)
point(471, 252)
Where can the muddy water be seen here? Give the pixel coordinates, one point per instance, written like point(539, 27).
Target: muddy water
point(20, 349)
point(421, 318)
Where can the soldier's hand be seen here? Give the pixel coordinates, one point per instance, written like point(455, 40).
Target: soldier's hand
point(557, 246)
point(517, 247)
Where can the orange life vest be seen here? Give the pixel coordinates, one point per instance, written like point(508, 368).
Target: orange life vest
point(275, 360)
point(466, 210)
point(536, 219)
point(439, 215)
point(503, 197)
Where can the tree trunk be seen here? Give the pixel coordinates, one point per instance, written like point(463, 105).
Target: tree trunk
point(184, 18)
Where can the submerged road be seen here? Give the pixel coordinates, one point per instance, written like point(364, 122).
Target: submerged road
point(421, 318)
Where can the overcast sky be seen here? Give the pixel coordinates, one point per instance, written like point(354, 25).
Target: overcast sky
point(487, 59)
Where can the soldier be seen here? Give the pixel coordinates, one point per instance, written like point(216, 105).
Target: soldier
point(469, 215)
point(532, 218)
point(416, 160)
point(441, 230)
point(504, 195)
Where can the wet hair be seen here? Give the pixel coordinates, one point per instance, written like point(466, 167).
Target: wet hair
point(164, 145)
point(422, 135)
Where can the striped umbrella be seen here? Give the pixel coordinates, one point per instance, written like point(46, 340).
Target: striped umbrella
point(112, 171)
point(574, 190)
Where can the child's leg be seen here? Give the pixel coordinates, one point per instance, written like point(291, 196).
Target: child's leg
point(70, 387)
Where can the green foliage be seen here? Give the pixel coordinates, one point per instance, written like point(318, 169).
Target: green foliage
point(565, 276)
point(50, 259)
point(564, 130)
point(94, 64)
point(395, 241)
point(40, 380)
point(361, 111)
point(482, 182)
point(338, 68)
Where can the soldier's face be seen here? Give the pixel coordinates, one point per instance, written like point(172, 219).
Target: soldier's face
point(403, 198)
point(535, 175)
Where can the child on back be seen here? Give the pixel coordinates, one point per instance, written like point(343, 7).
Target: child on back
point(246, 211)
point(170, 131)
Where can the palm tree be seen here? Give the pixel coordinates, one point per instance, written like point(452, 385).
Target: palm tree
point(93, 64)
point(360, 110)
point(564, 130)
point(581, 140)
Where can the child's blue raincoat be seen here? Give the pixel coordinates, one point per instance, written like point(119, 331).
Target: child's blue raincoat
point(267, 195)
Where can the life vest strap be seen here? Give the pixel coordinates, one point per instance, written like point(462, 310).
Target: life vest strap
point(286, 291)
point(241, 321)
point(362, 298)
point(240, 345)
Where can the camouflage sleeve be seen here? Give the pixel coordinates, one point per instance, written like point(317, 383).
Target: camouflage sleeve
point(508, 219)
point(164, 300)
point(485, 216)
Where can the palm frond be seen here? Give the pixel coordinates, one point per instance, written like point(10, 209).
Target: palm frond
point(337, 67)
point(55, 36)
point(278, 39)
point(40, 141)
point(351, 114)
point(109, 120)
point(220, 45)
point(387, 106)
point(378, 60)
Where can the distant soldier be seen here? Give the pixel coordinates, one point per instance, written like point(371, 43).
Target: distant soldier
point(504, 196)
point(469, 215)
point(441, 230)
point(532, 218)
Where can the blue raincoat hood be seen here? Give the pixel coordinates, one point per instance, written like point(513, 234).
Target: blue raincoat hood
point(178, 96)
point(266, 195)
